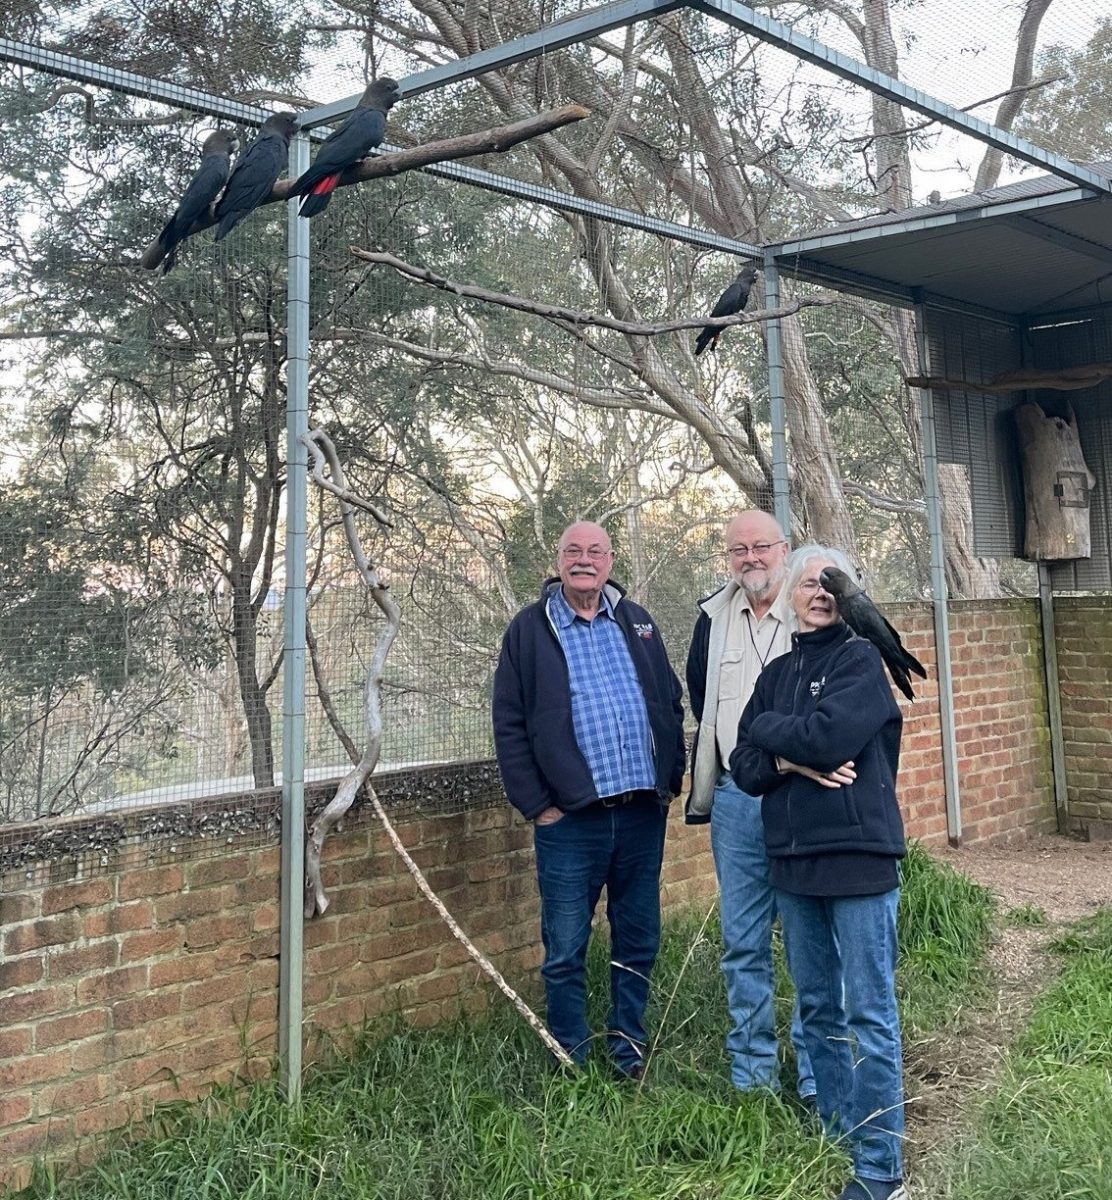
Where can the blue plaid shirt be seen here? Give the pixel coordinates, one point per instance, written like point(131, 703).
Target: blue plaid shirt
point(607, 704)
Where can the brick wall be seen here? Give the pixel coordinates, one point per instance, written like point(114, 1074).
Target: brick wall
point(1083, 636)
point(1003, 742)
point(138, 955)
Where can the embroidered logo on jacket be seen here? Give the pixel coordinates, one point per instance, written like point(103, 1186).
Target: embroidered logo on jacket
point(816, 685)
point(645, 631)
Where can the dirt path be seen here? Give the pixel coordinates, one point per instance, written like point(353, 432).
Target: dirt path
point(946, 1073)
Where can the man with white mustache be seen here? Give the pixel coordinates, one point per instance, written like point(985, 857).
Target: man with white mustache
point(588, 728)
point(741, 628)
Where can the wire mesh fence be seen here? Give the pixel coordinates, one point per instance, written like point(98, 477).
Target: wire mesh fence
point(143, 469)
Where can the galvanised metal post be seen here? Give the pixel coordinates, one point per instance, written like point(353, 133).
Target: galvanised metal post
point(939, 589)
point(777, 408)
point(291, 962)
point(1053, 696)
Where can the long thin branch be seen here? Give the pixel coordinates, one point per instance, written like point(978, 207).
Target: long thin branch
point(485, 141)
point(323, 450)
point(574, 316)
point(1062, 379)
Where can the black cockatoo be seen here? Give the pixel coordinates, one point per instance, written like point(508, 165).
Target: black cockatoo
point(204, 187)
point(362, 130)
point(256, 172)
point(732, 301)
point(867, 621)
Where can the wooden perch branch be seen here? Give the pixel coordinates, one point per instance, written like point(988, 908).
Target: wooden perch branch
point(485, 141)
point(1061, 379)
point(574, 316)
point(323, 450)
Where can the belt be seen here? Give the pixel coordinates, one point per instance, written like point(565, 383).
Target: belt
point(623, 798)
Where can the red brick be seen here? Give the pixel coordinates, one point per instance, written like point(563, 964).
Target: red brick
point(20, 972)
point(149, 945)
point(73, 1028)
point(158, 1066)
point(129, 1014)
point(185, 905)
point(15, 1042)
point(48, 931)
point(82, 960)
point(183, 969)
point(214, 991)
point(31, 1005)
point(112, 1047)
point(25, 1140)
point(35, 1068)
point(223, 1051)
point(211, 931)
point(71, 1096)
point(324, 959)
point(218, 870)
point(19, 906)
point(122, 918)
point(267, 916)
point(100, 1118)
point(157, 881)
point(90, 893)
point(127, 981)
point(14, 1109)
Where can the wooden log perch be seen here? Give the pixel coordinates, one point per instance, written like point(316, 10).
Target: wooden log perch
point(574, 316)
point(485, 141)
point(1061, 379)
point(323, 450)
point(1056, 485)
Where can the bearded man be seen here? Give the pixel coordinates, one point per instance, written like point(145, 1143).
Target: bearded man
point(741, 628)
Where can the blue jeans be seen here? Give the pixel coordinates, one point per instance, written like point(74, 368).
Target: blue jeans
point(842, 955)
point(748, 910)
point(623, 849)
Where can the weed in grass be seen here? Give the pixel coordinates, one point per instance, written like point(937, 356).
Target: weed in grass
point(471, 1110)
point(1027, 916)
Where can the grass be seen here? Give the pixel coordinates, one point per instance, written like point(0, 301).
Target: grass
point(945, 924)
point(1027, 916)
point(1046, 1132)
point(471, 1111)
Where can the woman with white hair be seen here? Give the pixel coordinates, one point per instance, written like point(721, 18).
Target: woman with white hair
point(820, 741)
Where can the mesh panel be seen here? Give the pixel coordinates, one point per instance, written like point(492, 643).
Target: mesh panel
point(142, 482)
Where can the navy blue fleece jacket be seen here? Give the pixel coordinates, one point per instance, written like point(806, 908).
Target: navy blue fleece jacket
point(534, 735)
point(826, 703)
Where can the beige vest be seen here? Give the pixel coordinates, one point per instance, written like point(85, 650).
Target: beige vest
point(717, 737)
point(750, 645)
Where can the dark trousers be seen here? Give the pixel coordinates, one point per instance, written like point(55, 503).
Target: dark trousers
point(621, 848)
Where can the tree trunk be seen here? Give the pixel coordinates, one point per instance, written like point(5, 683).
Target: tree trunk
point(1056, 485)
point(255, 710)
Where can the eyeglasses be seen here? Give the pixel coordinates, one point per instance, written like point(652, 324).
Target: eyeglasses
point(594, 553)
point(809, 587)
point(760, 549)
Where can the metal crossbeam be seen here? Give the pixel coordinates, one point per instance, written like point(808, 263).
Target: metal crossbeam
point(821, 55)
point(83, 71)
point(554, 36)
point(193, 100)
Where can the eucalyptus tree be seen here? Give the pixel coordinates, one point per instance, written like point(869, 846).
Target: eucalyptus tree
point(687, 128)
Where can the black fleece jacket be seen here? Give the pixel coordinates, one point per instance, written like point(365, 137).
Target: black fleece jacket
point(534, 735)
point(826, 703)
